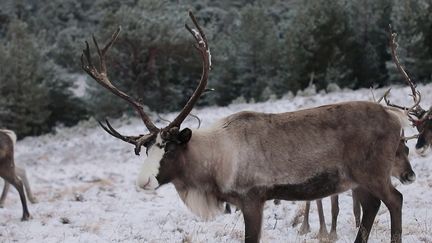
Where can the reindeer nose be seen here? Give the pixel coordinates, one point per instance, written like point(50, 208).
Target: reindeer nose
point(422, 151)
point(421, 142)
point(408, 177)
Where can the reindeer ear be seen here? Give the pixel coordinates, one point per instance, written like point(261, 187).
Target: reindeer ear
point(184, 136)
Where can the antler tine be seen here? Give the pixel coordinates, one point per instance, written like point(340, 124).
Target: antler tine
point(86, 53)
point(101, 77)
point(200, 31)
point(384, 96)
point(388, 102)
point(101, 53)
point(163, 119)
point(202, 47)
point(410, 111)
point(415, 93)
point(109, 129)
point(417, 99)
point(198, 119)
point(138, 141)
point(410, 137)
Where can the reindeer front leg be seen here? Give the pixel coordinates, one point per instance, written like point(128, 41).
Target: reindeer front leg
point(21, 173)
point(335, 213)
point(252, 213)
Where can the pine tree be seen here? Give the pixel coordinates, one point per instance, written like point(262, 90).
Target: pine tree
point(24, 101)
point(249, 58)
point(412, 21)
point(370, 20)
point(34, 96)
point(318, 42)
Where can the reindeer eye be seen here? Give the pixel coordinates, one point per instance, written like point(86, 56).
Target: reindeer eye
point(159, 145)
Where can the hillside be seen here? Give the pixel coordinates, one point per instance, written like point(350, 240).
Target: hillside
point(85, 182)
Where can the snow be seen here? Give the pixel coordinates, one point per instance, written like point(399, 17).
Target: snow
point(85, 182)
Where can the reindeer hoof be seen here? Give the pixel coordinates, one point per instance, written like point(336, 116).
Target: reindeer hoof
point(333, 236)
point(357, 223)
point(304, 229)
point(323, 234)
point(25, 217)
point(33, 200)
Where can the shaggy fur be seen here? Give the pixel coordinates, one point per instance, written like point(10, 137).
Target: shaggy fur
point(249, 157)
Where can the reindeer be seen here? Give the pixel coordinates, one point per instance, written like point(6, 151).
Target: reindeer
point(248, 157)
point(8, 170)
point(401, 170)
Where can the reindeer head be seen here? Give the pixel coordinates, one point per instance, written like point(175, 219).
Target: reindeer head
point(163, 145)
point(420, 118)
point(402, 166)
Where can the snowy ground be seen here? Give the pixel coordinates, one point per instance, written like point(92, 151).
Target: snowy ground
point(85, 182)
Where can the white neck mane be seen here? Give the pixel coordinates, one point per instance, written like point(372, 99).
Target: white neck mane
point(203, 204)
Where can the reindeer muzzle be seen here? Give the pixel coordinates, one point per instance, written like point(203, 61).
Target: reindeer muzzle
point(408, 177)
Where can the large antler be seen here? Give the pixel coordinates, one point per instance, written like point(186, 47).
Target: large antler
point(102, 78)
point(203, 48)
point(416, 109)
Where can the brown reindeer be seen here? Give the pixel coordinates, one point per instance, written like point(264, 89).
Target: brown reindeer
point(8, 169)
point(401, 170)
point(248, 158)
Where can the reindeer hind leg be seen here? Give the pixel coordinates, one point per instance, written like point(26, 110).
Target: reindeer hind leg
point(21, 173)
point(4, 193)
point(393, 199)
point(305, 227)
point(17, 183)
point(322, 234)
point(370, 205)
point(356, 209)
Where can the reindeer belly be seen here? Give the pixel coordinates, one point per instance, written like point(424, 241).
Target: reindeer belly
point(287, 169)
point(318, 186)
